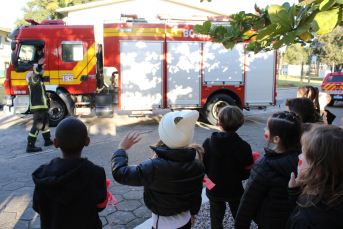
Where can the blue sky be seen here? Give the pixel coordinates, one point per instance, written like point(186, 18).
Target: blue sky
point(11, 9)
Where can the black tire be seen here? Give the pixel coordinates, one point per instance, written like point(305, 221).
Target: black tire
point(213, 106)
point(330, 104)
point(56, 115)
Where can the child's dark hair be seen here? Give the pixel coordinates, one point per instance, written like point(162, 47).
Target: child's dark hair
point(286, 125)
point(304, 107)
point(311, 93)
point(323, 146)
point(71, 135)
point(231, 118)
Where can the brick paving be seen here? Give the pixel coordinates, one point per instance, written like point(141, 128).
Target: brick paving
point(16, 166)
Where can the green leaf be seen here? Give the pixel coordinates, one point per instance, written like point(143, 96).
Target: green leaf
point(258, 24)
point(306, 2)
point(339, 1)
point(287, 6)
point(279, 43)
point(229, 45)
point(324, 22)
point(310, 18)
point(270, 31)
point(302, 30)
point(292, 13)
point(199, 29)
point(289, 38)
point(207, 25)
point(278, 15)
point(326, 4)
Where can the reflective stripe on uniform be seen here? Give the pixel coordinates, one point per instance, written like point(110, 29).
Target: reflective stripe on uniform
point(45, 131)
point(32, 135)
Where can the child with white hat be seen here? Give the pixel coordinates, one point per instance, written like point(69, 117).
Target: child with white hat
point(172, 179)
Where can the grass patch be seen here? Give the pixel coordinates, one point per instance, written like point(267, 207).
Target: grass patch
point(294, 81)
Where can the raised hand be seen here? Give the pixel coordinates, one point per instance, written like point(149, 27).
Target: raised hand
point(129, 140)
point(41, 61)
point(294, 182)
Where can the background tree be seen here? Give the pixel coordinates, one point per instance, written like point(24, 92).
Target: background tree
point(277, 26)
point(332, 51)
point(295, 54)
point(39, 10)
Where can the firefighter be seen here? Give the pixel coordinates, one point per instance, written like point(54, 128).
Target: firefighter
point(39, 108)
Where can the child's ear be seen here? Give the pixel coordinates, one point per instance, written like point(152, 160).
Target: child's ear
point(88, 141)
point(55, 143)
point(220, 123)
point(276, 140)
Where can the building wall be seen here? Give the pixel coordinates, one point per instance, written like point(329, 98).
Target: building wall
point(5, 53)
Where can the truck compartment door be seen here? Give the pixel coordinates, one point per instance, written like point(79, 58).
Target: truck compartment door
point(223, 66)
point(183, 74)
point(259, 79)
point(141, 71)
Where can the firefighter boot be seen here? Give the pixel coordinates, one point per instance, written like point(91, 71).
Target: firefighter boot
point(47, 142)
point(32, 148)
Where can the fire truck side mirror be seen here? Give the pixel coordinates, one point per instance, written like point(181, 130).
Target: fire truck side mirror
point(14, 59)
point(13, 45)
point(46, 78)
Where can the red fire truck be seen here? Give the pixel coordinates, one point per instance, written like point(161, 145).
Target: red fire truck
point(160, 65)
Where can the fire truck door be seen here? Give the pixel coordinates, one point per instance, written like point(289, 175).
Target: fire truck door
point(259, 79)
point(72, 64)
point(223, 66)
point(141, 68)
point(183, 74)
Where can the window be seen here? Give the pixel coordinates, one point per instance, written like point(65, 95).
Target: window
point(26, 53)
point(7, 40)
point(72, 51)
point(338, 78)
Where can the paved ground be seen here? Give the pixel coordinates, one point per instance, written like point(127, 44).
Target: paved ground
point(16, 186)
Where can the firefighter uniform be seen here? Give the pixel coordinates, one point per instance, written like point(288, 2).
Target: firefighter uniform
point(39, 108)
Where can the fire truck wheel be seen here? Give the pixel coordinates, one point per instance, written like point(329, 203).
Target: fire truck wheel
point(57, 114)
point(214, 105)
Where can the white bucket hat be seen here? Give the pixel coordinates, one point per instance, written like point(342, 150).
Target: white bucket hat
point(180, 135)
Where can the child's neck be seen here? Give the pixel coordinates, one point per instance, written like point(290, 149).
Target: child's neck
point(279, 149)
point(71, 156)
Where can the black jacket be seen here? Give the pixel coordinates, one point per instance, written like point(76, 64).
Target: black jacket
point(265, 199)
point(226, 155)
point(318, 217)
point(67, 193)
point(38, 99)
point(172, 181)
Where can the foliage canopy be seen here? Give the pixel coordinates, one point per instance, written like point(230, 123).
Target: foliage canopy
point(276, 26)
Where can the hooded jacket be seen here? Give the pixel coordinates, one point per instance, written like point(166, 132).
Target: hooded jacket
point(265, 199)
point(172, 181)
point(317, 217)
point(67, 193)
point(226, 155)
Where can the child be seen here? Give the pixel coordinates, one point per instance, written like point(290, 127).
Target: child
point(305, 108)
point(172, 180)
point(68, 189)
point(313, 94)
point(320, 173)
point(226, 153)
point(265, 199)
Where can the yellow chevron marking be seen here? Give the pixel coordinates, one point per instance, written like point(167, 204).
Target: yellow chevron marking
point(81, 68)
